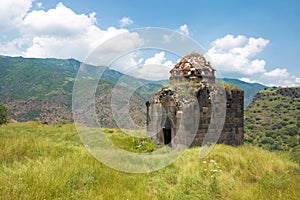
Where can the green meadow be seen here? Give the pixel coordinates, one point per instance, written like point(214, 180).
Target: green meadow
point(50, 162)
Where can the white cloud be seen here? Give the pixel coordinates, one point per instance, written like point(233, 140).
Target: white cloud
point(156, 67)
point(158, 58)
point(235, 54)
point(125, 21)
point(280, 77)
point(123, 41)
point(229, 42)
point(275, 77)
point(12, 13)
point(248, 80)
point(277, 73)
point(13, 48)
point(291, 81)
point(184, 29)
point(62, 33)
point(60, 21)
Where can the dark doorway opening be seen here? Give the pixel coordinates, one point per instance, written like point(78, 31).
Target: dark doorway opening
point(167, 135)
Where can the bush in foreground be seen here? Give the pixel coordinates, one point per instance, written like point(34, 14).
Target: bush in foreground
point(3, 115)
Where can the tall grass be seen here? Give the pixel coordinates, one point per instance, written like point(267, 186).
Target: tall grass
point(49, 162)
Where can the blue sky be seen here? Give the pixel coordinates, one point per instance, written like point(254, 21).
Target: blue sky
point(251, 40)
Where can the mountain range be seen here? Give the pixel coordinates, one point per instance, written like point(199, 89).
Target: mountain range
point(41, 89)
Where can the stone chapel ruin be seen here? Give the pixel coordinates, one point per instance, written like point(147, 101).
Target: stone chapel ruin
point(181, 112)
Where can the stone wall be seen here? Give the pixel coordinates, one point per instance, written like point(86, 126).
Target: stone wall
point(189, 124)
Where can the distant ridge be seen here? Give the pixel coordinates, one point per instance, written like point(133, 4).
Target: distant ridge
point(41, 89)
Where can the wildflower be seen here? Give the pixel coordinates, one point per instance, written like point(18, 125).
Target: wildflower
point(205, 169)
point(204, 162)
point(212, 161)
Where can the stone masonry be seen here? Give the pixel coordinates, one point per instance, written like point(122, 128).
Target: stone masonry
point(193, 105)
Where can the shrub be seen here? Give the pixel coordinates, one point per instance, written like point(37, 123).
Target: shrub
point(250, 140)
point(267, 140)
point(3, 115)
point(251, 126)
point(269, 133)
point(283, 123)
point(293, 130)
point(298, 123)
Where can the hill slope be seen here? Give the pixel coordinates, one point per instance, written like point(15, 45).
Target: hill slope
point(272, 121)
point(41, 89)
point(49, 162)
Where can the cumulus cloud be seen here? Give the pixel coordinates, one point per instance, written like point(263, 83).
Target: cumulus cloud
point(184, 29)
point(12, 13)
point(62, 33)
point(158, 58)
point(119, 41)
point(60, 21)
point(248, 80)
point(156, 67)
point(277, 73)
point(280, 77)
point(235, 57)
point(229, 42)
point(236, 54)
point(125, 21)
point(275, 77)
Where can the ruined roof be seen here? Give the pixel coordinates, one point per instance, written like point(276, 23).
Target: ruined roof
point(194, 62)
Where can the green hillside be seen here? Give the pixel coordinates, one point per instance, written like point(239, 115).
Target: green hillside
point(49, 162)
point(41, 90)
point(272, 121)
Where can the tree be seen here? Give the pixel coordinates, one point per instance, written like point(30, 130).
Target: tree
point(3, 115)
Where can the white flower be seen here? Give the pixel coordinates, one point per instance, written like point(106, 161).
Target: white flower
point(212, 161)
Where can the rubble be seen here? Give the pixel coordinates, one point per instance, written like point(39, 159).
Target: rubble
point(193, 68)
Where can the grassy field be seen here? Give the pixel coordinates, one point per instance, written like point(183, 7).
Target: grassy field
point(49, 162)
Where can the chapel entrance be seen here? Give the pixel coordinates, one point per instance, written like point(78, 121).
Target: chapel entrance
point(167, 136)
